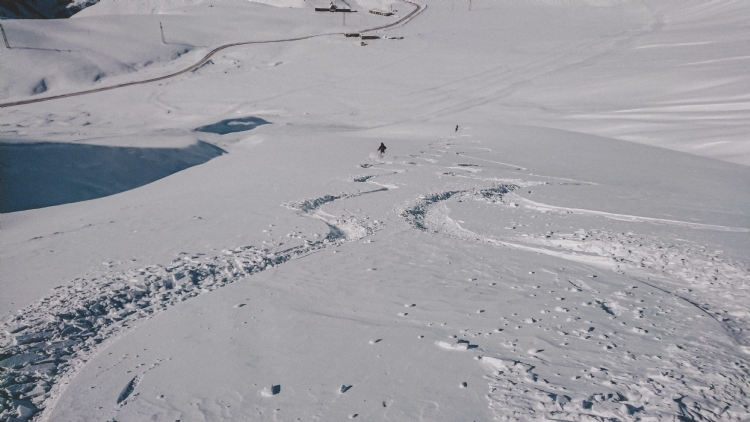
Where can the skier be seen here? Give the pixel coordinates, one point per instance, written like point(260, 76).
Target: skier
point(381, 148)
point(456, 128)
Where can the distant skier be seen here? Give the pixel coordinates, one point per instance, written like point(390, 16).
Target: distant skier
point(381, 148)
point(456, 128)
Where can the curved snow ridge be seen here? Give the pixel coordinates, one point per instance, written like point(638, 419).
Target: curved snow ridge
point(367, 178)
point(617, 392)
point(538, 206)
point(309, 206)
point(47, 342)
point(637, 255)
point(417, 214)
point(514, 166)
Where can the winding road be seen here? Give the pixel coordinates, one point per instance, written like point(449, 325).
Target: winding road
point(419, 8)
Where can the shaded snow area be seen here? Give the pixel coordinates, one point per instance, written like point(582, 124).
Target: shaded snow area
point(558, 229)
point(42, 9)
point(37, 175)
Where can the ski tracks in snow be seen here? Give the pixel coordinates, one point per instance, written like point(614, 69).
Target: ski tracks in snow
point(45, 344)
point(49, 341)
point(685, 384)
point(681, 384)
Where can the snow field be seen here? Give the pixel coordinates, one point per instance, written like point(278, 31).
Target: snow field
point(525, 266)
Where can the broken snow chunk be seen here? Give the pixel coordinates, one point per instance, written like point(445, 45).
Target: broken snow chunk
point(58, 345)
point(495, 363)
point(25, 410)
point(459, 345)
point(18, 361)
point(12, 329)
point(33, 337)
point(270, 391)
point(47, 369)
point(18, 389)
point(37, 391)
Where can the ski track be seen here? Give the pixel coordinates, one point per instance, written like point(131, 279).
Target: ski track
point(514, 166)
point(537, 206)
point(682, 386)
point(638, 255)
point(46, 343)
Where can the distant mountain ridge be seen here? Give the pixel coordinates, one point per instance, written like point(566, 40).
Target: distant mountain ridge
point(42, 9)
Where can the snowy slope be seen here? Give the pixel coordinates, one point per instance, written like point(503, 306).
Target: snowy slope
point(572, 250)
point(42, 9)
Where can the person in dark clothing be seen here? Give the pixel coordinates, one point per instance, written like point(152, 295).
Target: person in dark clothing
point(456, 128)
point(381, 148)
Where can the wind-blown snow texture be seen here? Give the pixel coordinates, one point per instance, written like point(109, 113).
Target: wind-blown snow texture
point(239, 251)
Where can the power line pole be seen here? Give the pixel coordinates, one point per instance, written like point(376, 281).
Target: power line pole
point(162, 33)
point(4, 37)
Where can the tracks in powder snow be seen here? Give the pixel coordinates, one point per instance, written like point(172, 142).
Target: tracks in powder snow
point(653, 288)
point(53, 339)
point(640, 256)
point(49, 341)
point(419, 8)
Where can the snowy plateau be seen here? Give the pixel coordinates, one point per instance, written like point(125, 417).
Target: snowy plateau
point(195, 224)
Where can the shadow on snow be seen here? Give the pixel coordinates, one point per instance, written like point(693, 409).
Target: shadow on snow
point(233, 125)
point(44, 174)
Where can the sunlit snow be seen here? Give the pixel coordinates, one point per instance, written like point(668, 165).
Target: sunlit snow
point(196, 224)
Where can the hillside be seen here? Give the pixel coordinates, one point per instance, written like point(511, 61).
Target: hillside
point(199, 227)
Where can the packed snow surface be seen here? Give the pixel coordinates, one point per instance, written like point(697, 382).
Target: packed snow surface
point(558, 230)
